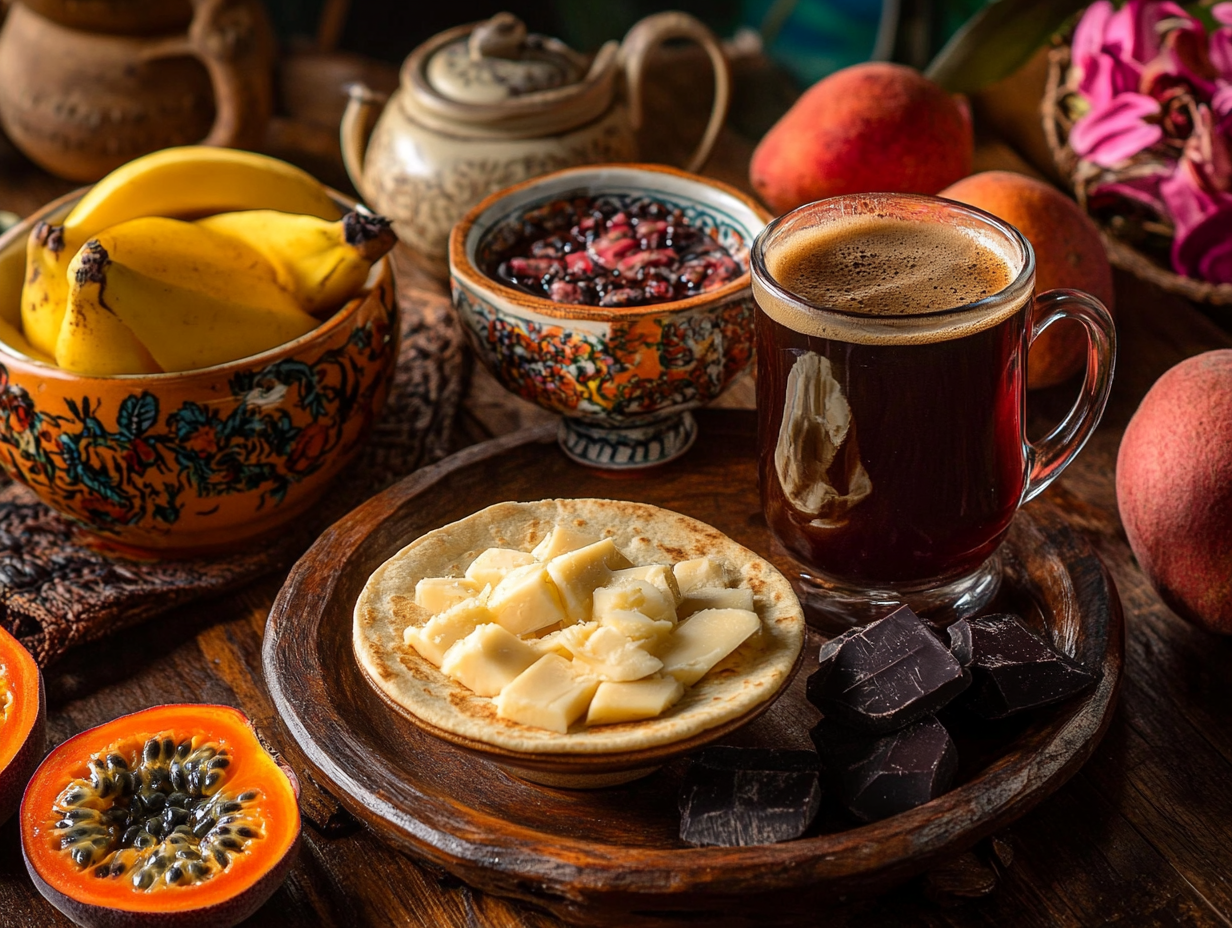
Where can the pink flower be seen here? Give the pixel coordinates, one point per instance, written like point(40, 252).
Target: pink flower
point(1221, 105)
point(1220, 51)
point(1182, 60)
point(1103, 73)
point(1159, 122)
point(1204, 251)
point(1116, 131)
point(1141, 188)
point(1198, 197)
point(1139, 68)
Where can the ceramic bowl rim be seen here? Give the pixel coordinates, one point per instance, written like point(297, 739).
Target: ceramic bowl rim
point(12, 358)
point(463, 271)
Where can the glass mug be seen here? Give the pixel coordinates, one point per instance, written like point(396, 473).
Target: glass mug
point(893, 451)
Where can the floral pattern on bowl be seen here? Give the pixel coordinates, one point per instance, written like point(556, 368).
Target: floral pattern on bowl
point(202, 459)
point(624, 379)
point(614, 372)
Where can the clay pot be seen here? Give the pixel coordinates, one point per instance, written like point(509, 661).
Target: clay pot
point(120, 17)
point(81, 103)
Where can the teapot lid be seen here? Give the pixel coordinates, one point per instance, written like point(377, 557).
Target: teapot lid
point(498, 61)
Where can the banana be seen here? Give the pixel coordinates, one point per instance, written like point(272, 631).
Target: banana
point(155, 294)
point(323, 264)
point(12, 337)
point(188, 181)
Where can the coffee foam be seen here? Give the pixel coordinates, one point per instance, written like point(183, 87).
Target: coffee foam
point(889, 273)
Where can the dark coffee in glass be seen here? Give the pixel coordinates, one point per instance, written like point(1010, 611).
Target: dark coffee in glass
point(892, 339)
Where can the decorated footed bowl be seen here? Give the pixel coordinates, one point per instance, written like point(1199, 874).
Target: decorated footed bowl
point(622, 378)
point(180, 463)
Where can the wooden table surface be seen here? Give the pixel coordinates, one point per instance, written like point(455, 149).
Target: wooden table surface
point(1141, 836)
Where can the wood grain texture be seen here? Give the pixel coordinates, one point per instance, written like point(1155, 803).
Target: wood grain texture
point(613, 857)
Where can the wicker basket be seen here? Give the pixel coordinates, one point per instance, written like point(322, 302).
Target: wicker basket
point(1121, 253)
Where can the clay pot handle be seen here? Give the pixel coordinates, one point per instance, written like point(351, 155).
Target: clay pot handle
point(653, 31)
point(353, 131)
point(235, 44)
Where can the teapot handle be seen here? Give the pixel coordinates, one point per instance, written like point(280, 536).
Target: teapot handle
point(653, 31)
point(235, 43)
point(353, 137)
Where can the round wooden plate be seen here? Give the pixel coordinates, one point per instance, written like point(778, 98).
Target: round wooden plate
point(613, 856)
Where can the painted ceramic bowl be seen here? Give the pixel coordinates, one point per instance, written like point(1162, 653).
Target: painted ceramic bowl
point(198, 460)
point(623, 379)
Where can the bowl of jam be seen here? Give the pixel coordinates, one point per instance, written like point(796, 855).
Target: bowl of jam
point(615, 295)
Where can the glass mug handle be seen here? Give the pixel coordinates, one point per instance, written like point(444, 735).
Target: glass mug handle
point(1048, 457)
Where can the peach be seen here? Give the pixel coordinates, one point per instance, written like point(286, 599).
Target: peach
point(1068, 253)
point(1174, 488)
point(871, 127)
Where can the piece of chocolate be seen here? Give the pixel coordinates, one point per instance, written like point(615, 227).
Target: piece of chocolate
point(959, 635)
point(886, 675)
point(1013, 669)
point(724, 802)
point(727, 757)
point(876, 777)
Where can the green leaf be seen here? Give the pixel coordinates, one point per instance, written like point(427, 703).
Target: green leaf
point(997, 41)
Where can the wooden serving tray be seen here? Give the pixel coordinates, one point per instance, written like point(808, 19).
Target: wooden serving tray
point(613, 856)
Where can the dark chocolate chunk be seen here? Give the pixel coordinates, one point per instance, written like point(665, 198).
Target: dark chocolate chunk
point(876, 777)
point(960, 641)
point(774, 798)
point(886, 675)
point(727, 757)
point(1014, 669)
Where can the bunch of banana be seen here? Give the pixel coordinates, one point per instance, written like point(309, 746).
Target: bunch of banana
point(119, 288)
point(158, 294)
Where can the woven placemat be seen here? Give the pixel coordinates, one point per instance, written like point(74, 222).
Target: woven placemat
point(57, 592)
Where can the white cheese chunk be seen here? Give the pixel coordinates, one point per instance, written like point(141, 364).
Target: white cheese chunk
point(550, 694)
point(737, 598)
point(636, 595)
point(437, 635)
point(526, 600)
point(698, 573)
point(560, 540)
point(646, 632)
point(577, 574)
point(633, 701)
point(493, 564)
point(703, 640)
point(488, 659)
point(659, 574)
point(551, 643)
point(608, 654)
point(436, 594)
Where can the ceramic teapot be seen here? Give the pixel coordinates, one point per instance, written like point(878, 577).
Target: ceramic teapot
point(484, 106)
point(86, 85)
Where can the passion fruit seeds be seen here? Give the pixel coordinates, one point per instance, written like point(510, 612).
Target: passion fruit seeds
point(156, 813)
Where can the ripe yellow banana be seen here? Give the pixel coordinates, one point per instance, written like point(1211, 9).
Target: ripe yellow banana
point(323, 263)
point(157, 294)
point(186, 182)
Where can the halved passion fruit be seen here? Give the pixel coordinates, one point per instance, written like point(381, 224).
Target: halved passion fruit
point(172, 816)
point(23, 717)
